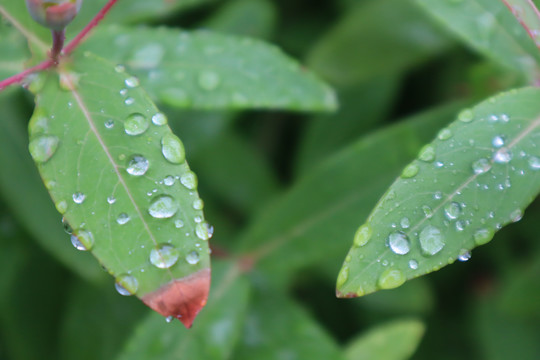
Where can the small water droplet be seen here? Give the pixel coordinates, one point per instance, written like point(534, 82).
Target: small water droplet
point(189, 180)
point(111, 200)
point(164, 256)
point(431, 240)
point(444, 134)
point(452, 210)
point(413, 264)
point(209, 80)
point(343, 276)
point(173, 149)
point(67, 227)
point(464, 255)
point(428, 212)
point(534, 163)
point(390, 279)
point(126, 285)
point(136, 124)
point(437, 195)
point(405, 223)
point(169, 319)
point(43, 147)
point(362, 235)
point(78, 197)
point(516, 215)
point(169, 180)
point(427, 153)
point(178, 224)
point(122, 219)
point(498, 141)
point(483, 236)
point(163, 207)
point(410, 171)
point(481, 166)
point(137, 165)
point(132, 82)
point(82, 240)
point(502, 156)
point(460, 225)
point(466, 115)
point(159, 119)
point(61, 206)
point(398, 242)
point(120, 68)
point(129, 101)
point(198, 204)
point(204, 231)
point(193, 258)
point(109, 124)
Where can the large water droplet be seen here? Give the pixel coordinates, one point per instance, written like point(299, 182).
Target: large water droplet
point(159, 119)
point(362, 235)
point(189, 180)
point(209, 80)
point(483, 236)
point(137, 165)
point(193, 258)
point(427, 153)
point(132, 82)
point(410, 171)
point(122, 219)
point(78, 197)
point(204, 231)
point(126, 285)
point(502, 156)
point(163, 207)
point(390, 279)
point(173, 149)
point(452, 210)
point(398, 243)
point(164, 256)
point(431, 240)
point(43, 148)
point(136, 124)
point(481, 166)
point(82, 240)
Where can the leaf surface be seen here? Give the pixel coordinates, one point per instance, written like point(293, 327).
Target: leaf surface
point(477, 176)
point(119, 176)
point(205, 70)
point(13, 50)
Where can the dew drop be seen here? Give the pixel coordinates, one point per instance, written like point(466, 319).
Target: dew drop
point(516, 215)
point(427, 153)
point(173, 149)
point(534, 163)
point(178, 224)
point(444, 134)
point(61, 206)
point(362, 235)
point(169, 319)
point(67, 227)
point(111, 200)
point(132, 82)
point(497, 141)
point(137, 165)
point(437, 195)
point(163, 207)
point(169, 180)
point(452, 210)
point(82, 240)
point(413, 264)
point(109, 124)
point(136, 124)
point(198, 204)
point(189, 180)
point(502, 156)
point(193, 258)
point(428, 212)
point(405, 223)
point(209, 80)
point(78, 197)
point(129, 101)
point(343, 276)
point(126, 285)
point(159, 119)
point(204, 231)
point(164, 256)
point(123, 219)
point(466, 116)
point(43, 148)
point(398, 243)
point(431, 240)
point(390, 279)
point(460, 225)
point(483, 236)
point(410, 171)
point(464, 255)
point(481, 166)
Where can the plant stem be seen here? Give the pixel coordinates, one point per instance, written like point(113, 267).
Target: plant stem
point(58, 44)
point(528, 15)
point(20, 77)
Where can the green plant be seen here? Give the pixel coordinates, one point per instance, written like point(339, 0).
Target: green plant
point(285, 208)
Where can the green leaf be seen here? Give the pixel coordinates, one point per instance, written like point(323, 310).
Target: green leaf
point(324, 206)
point(204, 70)
point(278, 328)
point(13, 50)
point(214, 335)
point(119, 177)
point(396, 340)
point(21, 186)
point(491, 29)
point(477, 176)
point(378, 38)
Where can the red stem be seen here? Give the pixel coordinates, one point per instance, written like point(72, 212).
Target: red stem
point(56, 51)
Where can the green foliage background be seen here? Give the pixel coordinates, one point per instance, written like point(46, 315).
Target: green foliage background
point(290, 189)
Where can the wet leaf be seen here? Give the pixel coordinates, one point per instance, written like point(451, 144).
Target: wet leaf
point(205, 70)
point(477, 176)
point(119, 177)
point(491, 29)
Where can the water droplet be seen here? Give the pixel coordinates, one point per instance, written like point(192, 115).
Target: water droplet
point(431, 240)
point(111, 200)
point(61, 206)
point(483, 236)
point(437, 195)
point(169, 180)
point(163, 207)
point(132, 82)
point(452, 210)
point(405, 223)
point(464, 255)
point(178, 224)
point(123, 92)
point(398, 243)
point(136, 124)
point(362, 235)
point(427, 153)
point(502, 156)
point(129, 101)
point(109, 124)
point(410, 171)
point(497, 141)
point(126, 285)
point(43, 147)
point(428, 212)
point(173, 149)
point(198, 204)
point(534, 163)
point(189, 180)
point(120, 68)
point(444, 134)
point(67, 227)
point(82, 240)
point(466, 116)
point(169, 319)
point(209, 80)
point(78, 197)
point(343, 276)
point(460, 225)
point(193, 258)
point(164, 256)
point(122, 219)
point(137, 165)
point(391, 278)
point(516, 215)
point(204, 231)
point(481, 166)
point(159, 119)
point(413, 264)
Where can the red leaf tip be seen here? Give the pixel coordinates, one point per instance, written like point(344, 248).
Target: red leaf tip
point(182, 298)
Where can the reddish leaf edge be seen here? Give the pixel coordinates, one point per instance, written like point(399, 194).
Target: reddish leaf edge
point(181, 298)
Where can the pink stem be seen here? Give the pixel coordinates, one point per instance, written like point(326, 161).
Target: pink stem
point(521, 21)
point(20, 77)
point(58, 43)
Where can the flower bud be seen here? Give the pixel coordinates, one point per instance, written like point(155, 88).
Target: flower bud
point(54, 14)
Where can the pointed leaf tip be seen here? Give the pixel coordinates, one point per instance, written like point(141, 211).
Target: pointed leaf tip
point(181, 298)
